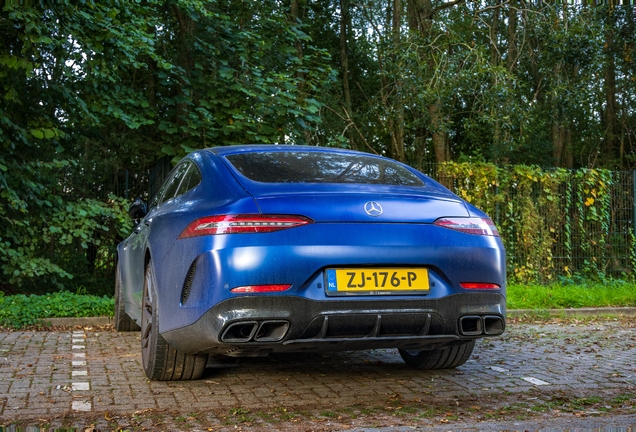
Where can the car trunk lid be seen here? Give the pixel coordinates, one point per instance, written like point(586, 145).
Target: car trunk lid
point(363, 207)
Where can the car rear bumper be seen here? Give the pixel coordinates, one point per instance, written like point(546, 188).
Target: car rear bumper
point(259, 325)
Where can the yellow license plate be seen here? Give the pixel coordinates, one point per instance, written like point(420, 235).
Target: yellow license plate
point(376, 280)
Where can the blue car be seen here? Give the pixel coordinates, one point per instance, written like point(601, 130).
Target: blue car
point(250, 250)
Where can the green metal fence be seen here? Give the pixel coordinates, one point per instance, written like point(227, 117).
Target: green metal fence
point(554, 223)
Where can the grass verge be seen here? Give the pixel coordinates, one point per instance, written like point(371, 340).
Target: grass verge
point(20, 310)
point(561, 296)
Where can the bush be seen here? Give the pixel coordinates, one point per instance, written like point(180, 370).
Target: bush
point(20, 310)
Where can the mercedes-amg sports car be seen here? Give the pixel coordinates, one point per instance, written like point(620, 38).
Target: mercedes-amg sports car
point(252, 250)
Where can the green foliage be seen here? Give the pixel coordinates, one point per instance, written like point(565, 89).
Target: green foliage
point(236, 75)
point(18, 311)
point(94, 89)
point(513, 82)
point(610, 293)
point(73, 241)
point(552, 222)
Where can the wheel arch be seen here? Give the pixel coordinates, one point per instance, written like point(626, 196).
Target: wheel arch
point(147, 257)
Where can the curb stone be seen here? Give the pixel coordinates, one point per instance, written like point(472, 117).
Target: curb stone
point(82, 321)
point(513, 313)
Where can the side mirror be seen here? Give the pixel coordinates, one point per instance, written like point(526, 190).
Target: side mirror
point(138, 209)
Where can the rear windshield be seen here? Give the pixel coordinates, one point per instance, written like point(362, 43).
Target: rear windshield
point(321, 167)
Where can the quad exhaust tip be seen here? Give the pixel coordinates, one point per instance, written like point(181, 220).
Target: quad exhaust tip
point(255, 331)
point(240, 331)
point(493, 325)
point(271, 331)
point(490, 325)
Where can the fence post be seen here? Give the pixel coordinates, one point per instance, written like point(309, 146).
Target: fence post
point(496, 204)
point(634, 206)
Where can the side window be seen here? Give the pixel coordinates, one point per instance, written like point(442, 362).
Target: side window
point(155, 199)
point(162, 188)
point(190, 180)
point(173, 183)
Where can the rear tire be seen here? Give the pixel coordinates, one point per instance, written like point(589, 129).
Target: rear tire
point(122, 322)
point(446, 358)
point(160, 360)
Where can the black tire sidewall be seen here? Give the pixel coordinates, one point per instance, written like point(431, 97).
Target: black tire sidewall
point(418, 360)
point(150, 354)
point(434, 359)
point(119, 304)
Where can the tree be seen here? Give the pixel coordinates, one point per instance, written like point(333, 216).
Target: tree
point(95, 88)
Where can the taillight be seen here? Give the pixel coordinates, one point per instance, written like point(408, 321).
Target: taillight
point(478, 285)
point(260, 288)
point(469, 225)
point(242, 224)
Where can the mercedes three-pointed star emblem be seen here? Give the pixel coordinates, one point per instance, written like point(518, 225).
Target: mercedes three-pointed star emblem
point(373, 208)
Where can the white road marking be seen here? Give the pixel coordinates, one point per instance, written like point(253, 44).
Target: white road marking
point(79, 339)
point(81, 406)
point(80, 386)
point(498, 369)
point(535, 381)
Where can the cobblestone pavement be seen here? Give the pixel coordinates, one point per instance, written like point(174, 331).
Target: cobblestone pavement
point(85, 377)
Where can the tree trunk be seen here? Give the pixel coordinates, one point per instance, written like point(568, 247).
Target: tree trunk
point(558, 135)
point(569, 151)
point(420, 149)
point(344, 51)
point(495, 56)
point(609, 147)
point(629, 51)
point(439, 136)
point(397, 138)
point(496, 141)
point(420, 15)
point(295, 15)
point(411, 16)
point(511, 57)
point(397, 20)
point(495, 59)
point(397, 135)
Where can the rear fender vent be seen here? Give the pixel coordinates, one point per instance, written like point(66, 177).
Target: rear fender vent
point(187, 285)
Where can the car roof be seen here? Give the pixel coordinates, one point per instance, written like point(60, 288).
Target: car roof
point(246, 148)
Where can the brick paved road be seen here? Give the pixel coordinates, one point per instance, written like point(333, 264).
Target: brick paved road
point(48, 375)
